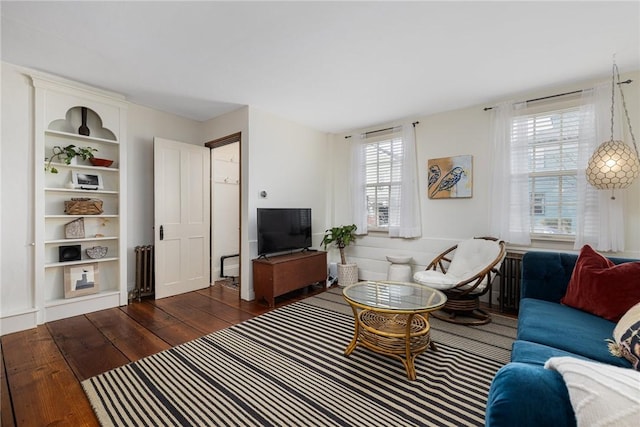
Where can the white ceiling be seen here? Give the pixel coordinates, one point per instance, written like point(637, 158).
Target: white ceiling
point(334, 66)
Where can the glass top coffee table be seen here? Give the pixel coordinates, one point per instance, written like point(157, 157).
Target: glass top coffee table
point(392, 318)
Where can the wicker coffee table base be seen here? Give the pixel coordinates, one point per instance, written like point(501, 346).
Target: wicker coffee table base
point(402, 336)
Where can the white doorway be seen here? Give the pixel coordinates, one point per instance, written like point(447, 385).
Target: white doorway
point(225, 210)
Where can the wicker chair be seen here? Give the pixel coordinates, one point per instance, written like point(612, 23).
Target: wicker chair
point(464, 273)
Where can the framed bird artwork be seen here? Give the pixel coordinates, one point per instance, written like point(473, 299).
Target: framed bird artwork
point(450, 177)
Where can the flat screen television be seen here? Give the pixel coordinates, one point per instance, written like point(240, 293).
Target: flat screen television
point(283, 229)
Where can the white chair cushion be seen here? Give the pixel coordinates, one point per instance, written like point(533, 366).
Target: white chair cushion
point(470, 258)
point(435, 279)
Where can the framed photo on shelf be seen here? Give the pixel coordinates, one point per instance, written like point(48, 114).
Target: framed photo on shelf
point(81, 280)
point(87, 181)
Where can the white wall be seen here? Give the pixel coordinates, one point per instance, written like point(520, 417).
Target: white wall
point(17, 194)
point(446, 221)
point(288, 161)
point(143, 125)
point(291, 163)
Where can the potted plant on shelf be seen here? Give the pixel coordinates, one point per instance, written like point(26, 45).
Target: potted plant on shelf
point(343, 236)
point(66, 154)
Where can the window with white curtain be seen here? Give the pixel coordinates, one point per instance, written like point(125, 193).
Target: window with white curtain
point(538, 183)
point(552, 145)
point(383, 180)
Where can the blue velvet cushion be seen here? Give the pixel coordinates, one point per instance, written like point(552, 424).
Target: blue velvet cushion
point(545, 275)
point(537, 354)
point(567, 329)
point(527, 395)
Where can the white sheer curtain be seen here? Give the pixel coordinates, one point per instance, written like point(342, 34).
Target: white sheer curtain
point(404, 206)
point(600, 220)
point(509, 208)
point(407, 224)
point(358, 194)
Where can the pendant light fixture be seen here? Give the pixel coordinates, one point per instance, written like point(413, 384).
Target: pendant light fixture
point(614, 164)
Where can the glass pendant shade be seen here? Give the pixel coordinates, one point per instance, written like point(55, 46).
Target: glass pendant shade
point(614, 165)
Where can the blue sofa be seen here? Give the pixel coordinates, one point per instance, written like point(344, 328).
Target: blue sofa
point(524, 393)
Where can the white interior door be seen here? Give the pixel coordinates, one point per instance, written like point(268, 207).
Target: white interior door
point(182, 217)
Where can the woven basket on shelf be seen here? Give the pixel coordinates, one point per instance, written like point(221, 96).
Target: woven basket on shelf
point(83, 206)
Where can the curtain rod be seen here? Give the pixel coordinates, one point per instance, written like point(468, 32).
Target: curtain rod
point(557, 95)
point(371, 132)
point(381, 130)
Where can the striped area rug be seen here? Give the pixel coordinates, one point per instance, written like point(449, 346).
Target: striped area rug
point(287, 368)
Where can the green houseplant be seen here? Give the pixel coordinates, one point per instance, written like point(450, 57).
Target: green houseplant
point(66, 154)
point(342, 237)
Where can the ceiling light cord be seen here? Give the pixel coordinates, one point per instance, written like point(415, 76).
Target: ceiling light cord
point(613, 93)
point(624, 106)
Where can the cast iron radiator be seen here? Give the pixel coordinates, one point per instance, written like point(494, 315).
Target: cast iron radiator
point(510, 272)
point(145, 274)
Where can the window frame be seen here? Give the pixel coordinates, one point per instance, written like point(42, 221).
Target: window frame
point(539, 108)
point(392, 183)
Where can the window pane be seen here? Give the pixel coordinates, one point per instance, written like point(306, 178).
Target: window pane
point(384, 172)
point(394, 205)
point(553, 204)
point(371, 206)
point(378, 206)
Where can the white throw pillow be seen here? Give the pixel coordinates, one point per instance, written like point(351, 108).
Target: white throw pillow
point(600, 394)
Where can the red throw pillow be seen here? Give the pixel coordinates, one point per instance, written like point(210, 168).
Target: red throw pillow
point(600, 287)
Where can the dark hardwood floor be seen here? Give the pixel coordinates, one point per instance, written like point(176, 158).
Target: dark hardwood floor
point(42, 368)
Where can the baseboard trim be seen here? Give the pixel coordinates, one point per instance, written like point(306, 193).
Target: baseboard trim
point(17, 322)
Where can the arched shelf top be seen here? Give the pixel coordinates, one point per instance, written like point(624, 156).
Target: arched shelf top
point(73, 121)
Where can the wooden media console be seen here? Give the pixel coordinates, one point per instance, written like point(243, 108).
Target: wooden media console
point(278, 275)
